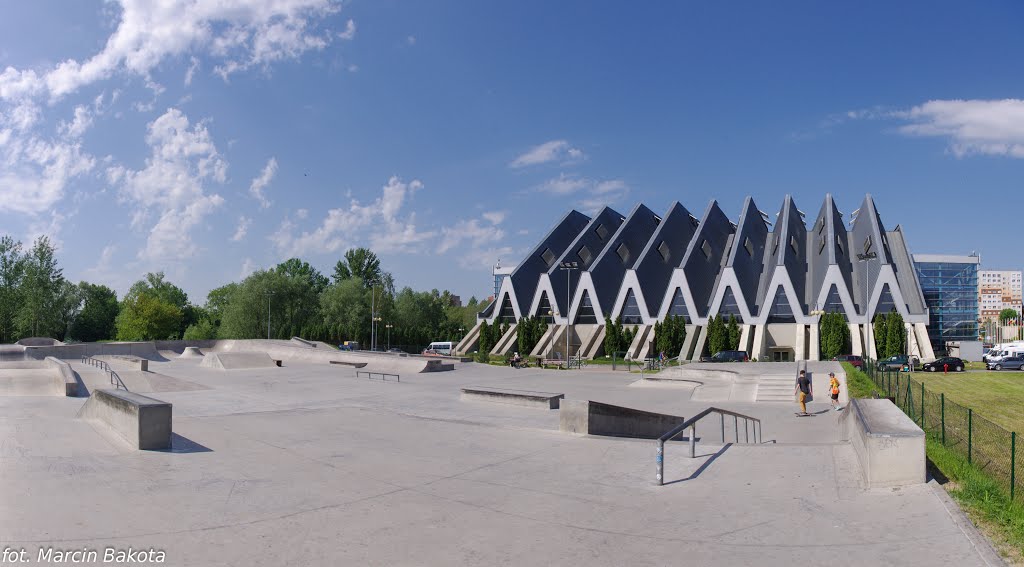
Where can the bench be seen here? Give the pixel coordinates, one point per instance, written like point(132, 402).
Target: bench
point(383, 375)
point(546, 400)
point(553, 361)
point(145, 423)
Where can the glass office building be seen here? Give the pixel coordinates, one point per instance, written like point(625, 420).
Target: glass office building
point(950, 287)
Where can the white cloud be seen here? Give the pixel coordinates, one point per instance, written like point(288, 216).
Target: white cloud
point(34, 171)
point(380, 223)
point(350, 30)
point(993, 127)
point(193, 66)
point(260, 183)
point(241, 34)
point(183, 160)
point(555, 150)
point(248, 267)
point(593, 194)
point(302, 213)
point(495, 217)
point(476, 233)
point(243, 228)
point(410, 40)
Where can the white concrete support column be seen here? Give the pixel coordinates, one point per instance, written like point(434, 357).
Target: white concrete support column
point(856, 342)
point(869, 341)
point(927, 353)
point(691, 337)
point(745, 339)
point(801, 341)
point(698, 347)
point(815, 346)
point(760, 340)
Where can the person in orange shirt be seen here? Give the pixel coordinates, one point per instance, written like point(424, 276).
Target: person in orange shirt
point(833, 390)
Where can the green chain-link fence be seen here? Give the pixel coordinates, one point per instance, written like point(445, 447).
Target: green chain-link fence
point(987, 445)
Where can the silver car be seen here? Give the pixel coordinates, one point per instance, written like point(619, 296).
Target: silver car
point(1008, 363)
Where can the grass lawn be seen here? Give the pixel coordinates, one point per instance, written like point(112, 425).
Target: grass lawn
point(995, 395)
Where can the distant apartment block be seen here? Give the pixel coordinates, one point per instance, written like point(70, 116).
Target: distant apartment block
point(998, 290)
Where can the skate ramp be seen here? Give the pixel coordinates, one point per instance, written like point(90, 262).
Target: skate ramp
point(289, 351)
point(38, 378)
point(237, 360)
point(595, 418)
point(191, 352)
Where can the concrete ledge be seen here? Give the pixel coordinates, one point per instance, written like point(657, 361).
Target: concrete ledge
point(595, 418)
point(348, 363)
point(546, 400)
point(143, 422)
point(129, 362)
point(889, 446)
point(65, 379)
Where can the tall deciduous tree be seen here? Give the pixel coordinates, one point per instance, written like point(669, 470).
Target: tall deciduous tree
point(40, 284)
point(359, 263)
point(146, 317)
point(12, 268)
point(99, 312)
point(296, 268)
point(157, 286)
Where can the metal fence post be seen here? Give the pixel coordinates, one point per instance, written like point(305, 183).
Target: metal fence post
point(693, 440)
point(922, 405)
point(942, 397)
point(1013, 462)
point(970, 427)
point(660, 460)
point(722, 415)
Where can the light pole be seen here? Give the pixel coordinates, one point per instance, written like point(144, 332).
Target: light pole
point(388, 327)
point(269, 293)
point(865, 258)
point(568, 267)
point(373, 312)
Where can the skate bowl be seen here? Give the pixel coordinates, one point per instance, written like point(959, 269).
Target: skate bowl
point(888, 444)
point(587, 417)
point(191, 352)
point(238, 360)
point(38, 341)
point(144, 422)
point(50, 377)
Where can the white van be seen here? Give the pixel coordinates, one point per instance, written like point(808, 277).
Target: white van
point(440, 347)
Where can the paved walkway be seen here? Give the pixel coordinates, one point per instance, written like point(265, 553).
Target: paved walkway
point(308, 465)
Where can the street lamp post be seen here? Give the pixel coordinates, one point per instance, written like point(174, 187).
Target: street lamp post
point(388, 327)
point(269, 293)
point(568, 267)
point(373, 313)
point(865, 258)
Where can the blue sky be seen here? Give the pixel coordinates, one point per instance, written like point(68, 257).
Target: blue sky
point(211, 139)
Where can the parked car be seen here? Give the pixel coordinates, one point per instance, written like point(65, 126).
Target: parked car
point(940, 364)
point(1008, 363)
point(727, 356)
point(855, 360)
point(395, 350)
point(897, 362)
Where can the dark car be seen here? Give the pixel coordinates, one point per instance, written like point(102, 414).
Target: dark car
point(896, 362)
point(940, 364)
point(1010, 362)
point(728, 356)
point(855, 360)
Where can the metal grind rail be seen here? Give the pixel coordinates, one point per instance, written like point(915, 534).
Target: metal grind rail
point(383, 375)
point(115, 380)
point(749, 424)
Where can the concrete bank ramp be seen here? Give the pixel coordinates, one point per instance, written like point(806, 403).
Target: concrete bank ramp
point(290, 351)
point(191, 352)
point(51, 377)
point(595, 418)
point(237, 360)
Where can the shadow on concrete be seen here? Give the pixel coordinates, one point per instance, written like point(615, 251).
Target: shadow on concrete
point(181, 444)
point(704, 466)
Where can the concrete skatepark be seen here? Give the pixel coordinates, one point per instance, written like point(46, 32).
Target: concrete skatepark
point(310, 464)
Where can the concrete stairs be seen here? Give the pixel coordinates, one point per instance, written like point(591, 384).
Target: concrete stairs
point(777, 388)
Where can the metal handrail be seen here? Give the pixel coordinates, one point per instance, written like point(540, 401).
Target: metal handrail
point(691, 424)
point(102, 365)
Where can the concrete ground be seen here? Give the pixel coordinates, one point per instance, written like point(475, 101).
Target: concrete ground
point(309, 465)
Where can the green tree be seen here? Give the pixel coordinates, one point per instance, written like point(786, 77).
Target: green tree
point(67, 307)
point(99, 311)
point(359, 263)
point(205, 329)
point(895, 334)
point(669, 336)
point(296, 268)
point(157, 286)
point(834, 335)
point(733, 333)
point(878, 328)
point(40, 285)
point(345, 307)
point(718, 335)
point(146, 317)
point(12, 269)
point(217, 301)
point(1007, 315)
point(291, 300)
